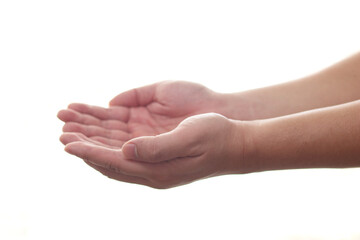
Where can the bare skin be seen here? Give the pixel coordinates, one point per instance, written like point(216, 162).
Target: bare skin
point(158, 136)
point(337, 84)
point(145, 111)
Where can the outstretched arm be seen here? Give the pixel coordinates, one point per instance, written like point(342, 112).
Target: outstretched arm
point(209, 145)
point(323, 138)
point(160, 107)
point(335, 85)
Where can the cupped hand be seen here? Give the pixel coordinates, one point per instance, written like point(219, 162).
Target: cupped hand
point(201, 146)
point(144, 111)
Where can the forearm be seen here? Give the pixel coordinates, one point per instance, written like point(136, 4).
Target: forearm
point(337, 84)
point(324, 138)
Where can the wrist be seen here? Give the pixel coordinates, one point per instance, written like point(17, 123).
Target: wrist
point(242, 148)
point(235, 106)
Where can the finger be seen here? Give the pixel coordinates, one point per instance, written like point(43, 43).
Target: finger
point(163, 147)
point(108, 141)
point(135, 97)
point(67, 138)
point(119, 176)
point(91, 131)
point(111, 159)
point(69, 115)
point(115, 113)
point(114, 124)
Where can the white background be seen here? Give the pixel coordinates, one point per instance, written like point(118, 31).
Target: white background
point(56, 52)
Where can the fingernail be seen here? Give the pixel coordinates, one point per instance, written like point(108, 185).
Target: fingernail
point(130, 151)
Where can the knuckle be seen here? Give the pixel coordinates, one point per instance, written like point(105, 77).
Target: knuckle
point(110, 166)
point(86, 155)
point(97, 140)
point(155, 153)
point(84, 120)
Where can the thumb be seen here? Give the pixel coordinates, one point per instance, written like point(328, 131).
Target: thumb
point(135, 97)
point(163, 147)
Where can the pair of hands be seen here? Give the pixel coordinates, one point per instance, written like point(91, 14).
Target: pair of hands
point(161, 135)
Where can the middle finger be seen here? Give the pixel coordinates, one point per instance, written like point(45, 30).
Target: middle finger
point(91, 131)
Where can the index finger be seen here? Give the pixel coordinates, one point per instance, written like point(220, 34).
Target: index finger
point(115, 113)
point(111, 159)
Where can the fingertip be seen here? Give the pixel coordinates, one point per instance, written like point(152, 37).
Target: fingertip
point(65, 128)
point(125, 99)
point(67, 138)
point(76, 106)
point(68, 148)
point(73, 148)
point(60, 115)
point(130, 151)
point(73, 105)
point(62, 139)
point(65, 115)
point(112, 102)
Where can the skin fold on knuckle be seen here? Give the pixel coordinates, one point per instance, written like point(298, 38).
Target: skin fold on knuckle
point(154, 150)
point(110, 166)
point(76, 126)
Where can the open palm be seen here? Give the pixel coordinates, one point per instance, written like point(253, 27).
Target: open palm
point(145, 111)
